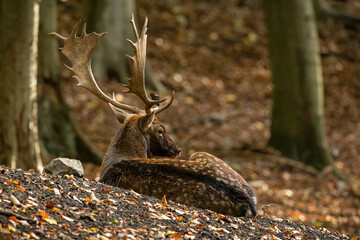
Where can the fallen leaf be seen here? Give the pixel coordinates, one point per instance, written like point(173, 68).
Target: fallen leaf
point(50, 205)
point(19, 188)
point(111, 202)
point(131, 201)
point(14, 200)
point(11, 228)
point(47, 188)
point(104, 191)
point(94, 198)
point(163, 200)
point(56, 191)
point(65, 226)
point(114, 221)
point(176, 235)
point(43, 214)
point(51, 221)
point(24, 223)
point(67, 218)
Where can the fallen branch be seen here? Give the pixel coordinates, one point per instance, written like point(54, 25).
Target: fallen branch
point(10, 213)
point(289, 162)
point(323, 8)
point(264, 207)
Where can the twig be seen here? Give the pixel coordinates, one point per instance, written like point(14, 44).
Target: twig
point(265, 206)
point(290, 162)
point(215, 120)
point(324, 8)
point(10, 213)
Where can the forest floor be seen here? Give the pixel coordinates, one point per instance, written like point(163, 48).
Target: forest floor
point(214, 56)
point(44, 206)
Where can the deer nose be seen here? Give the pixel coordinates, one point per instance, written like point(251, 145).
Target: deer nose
point(177, 153)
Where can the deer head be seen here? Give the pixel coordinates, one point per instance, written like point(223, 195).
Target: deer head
point(203, 181)
point(79, 51)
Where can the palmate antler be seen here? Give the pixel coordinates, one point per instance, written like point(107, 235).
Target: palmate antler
point(137, 80)
point(79, 51)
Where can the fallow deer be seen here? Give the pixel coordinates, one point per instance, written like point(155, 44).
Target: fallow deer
point(203, 181)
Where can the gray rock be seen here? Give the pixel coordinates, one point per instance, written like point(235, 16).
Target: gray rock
point(61, 166)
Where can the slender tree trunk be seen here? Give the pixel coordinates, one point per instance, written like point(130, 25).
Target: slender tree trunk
point(19, 146)
point(297, 128)
point(59, 135)
point(113, 16)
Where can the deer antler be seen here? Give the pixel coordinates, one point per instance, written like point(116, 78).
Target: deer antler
point(137, 80)
point(79, 51)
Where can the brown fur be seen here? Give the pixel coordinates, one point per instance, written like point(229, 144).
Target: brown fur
point(203, 181)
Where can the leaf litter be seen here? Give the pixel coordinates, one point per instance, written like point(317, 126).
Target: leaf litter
point(144, 218)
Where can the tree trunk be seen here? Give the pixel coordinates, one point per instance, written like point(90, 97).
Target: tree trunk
point(297, 128)
point(113, 16)
point(58, 134)
point(19, 146)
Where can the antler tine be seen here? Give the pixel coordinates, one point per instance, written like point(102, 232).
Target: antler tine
point(75, 29)
point(57, 36)
point(79, 51)
point(162, 108)
point(144, 29)
point(83, 33)
point(133, 24)
point(137, 81)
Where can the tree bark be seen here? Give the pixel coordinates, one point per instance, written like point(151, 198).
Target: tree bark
point(113, 16)
point(19, 146)
point(297, 128)
point(59, 135)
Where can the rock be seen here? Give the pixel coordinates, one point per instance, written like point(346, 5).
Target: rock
point(61, 166)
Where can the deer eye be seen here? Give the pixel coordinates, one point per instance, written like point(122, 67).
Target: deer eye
point(160, 132)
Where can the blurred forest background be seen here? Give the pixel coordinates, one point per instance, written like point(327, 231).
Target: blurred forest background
point(215, 56)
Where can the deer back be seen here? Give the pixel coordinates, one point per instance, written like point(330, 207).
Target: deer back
point(205, 182)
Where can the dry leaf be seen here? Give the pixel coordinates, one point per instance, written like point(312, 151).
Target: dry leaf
point(15, 182)
point(67, 218)
point(51, 221)
point(50, 205)
point(14, 200)
point(43, 214)
point(19, 188)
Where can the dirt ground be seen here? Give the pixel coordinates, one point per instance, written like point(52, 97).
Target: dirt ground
point(214, 56)
point(44, 206)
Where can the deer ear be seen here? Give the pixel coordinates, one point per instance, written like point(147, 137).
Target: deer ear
point(120, 114)
point(146, 121)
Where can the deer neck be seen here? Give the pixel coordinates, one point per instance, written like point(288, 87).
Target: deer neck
point(129, 143)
